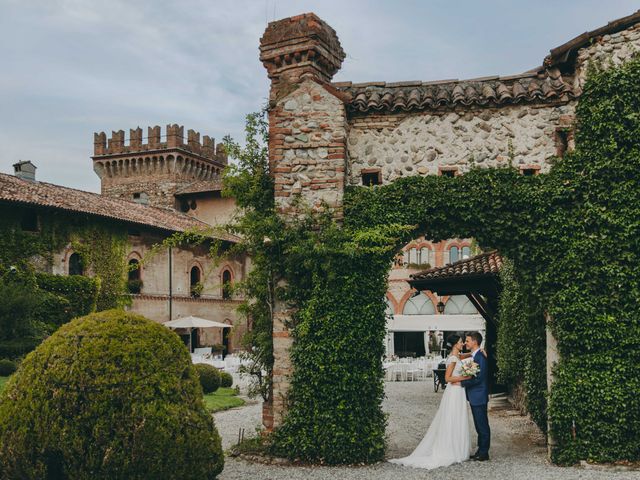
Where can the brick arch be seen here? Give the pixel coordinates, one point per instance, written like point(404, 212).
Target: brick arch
point(392, 301)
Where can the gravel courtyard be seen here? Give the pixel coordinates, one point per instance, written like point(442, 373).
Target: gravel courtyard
point(517, 451)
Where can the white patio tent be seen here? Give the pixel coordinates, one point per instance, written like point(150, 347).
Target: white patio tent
point(192, 322)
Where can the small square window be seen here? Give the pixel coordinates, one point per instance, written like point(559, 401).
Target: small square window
point(371, 177)
point(448, 172)
point(529, 172)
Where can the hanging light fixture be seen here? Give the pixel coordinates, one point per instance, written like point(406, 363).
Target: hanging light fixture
point(440, 307)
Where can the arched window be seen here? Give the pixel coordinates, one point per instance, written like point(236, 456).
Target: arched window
point(134, 269)
point(454, 254)
point(459, 304)
point(466, 252)
point(388, 311)
point(413, 256)
point(226, 284)
point(75, 264)
point(134, 282)
point(425, 256)
point(419, 305)
point(194, 285)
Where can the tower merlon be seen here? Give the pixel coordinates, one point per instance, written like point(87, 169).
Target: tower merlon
point(174, 139)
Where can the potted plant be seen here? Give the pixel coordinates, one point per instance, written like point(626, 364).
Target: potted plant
point(196, 289)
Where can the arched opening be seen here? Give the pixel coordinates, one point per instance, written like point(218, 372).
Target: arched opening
point(226, 284)
point(459, 305)
point(195, 285)
point(76, 266)
point(134, 280)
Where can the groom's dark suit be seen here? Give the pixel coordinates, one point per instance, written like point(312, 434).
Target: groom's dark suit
point(477, 390)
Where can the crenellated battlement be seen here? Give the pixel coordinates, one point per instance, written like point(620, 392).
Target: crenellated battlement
point(173, 138)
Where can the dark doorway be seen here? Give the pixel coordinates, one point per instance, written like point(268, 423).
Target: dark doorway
point(75, 264)
point(409, 344)
point(226, 342)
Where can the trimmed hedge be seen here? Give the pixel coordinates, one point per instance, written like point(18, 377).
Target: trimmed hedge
point(209, 377)
point(81, 292)
point(226, 380)
point(109, 395)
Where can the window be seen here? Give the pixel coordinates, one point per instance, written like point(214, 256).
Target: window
point(562, 142)
point(388, 311)
point(141, 197)
point(413, 256)
point(195, 286)
point(529, 172)
point(419, 305)
point(226, 284)
point(134, 282)
point(75, 264)
point(454, 254)
point(29, 221)
point(466, 252)
point(425, 256)
point(459, 304)
point(371, 177)
point(448, 171)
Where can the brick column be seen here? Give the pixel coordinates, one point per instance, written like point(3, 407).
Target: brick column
point(307, 146)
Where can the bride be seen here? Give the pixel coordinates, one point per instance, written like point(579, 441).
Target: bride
point(448, 439)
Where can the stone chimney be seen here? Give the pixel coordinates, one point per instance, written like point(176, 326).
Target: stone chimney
point(25, 170)
point(295, 47)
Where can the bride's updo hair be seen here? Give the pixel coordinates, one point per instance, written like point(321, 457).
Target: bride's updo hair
point(452, 340)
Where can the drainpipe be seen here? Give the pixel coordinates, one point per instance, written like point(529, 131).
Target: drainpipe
point(170, 288)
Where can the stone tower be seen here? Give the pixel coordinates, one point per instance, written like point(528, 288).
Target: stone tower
point(152, 172)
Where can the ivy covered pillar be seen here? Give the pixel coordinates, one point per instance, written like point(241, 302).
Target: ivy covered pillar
point(307, 147)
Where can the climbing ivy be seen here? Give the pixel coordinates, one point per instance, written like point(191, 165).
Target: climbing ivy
point(572, 239)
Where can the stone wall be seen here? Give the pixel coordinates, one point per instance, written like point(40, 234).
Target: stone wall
point(424, 143)
point(610, 49)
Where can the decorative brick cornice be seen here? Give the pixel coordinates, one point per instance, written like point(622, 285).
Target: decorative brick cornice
point(299, 46)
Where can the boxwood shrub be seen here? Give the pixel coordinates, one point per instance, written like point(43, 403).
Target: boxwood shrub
point(109, 395)
point(209, 377)
point(226, 380)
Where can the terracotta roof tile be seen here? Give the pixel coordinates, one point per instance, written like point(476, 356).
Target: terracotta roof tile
point(538, 86)
point(488, 263)
point(42, 194)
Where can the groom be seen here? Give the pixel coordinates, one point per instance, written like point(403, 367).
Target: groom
point(477, 390)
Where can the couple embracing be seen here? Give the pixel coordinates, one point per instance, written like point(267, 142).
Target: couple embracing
point(448, 439)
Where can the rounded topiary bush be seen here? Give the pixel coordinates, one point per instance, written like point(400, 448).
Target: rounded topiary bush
point(209, 377)
point(226, 380)
point(7, 367)
point(109, 395)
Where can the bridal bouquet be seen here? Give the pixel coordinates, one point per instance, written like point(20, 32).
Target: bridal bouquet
point(469, 369)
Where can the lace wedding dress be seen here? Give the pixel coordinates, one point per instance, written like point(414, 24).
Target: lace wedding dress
point(448, 439)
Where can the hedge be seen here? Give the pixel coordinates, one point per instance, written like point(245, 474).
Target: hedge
point(80, 291)
point(109, 395)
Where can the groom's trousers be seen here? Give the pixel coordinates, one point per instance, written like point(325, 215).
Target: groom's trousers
point(481, 422)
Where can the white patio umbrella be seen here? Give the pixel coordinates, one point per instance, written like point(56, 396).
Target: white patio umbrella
point(192, 322)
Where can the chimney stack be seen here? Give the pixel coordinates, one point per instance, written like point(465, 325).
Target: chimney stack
point(25, 170)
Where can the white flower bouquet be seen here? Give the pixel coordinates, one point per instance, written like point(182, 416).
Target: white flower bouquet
point(469, 368)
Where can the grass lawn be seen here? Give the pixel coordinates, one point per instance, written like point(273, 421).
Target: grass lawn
point(222, 399)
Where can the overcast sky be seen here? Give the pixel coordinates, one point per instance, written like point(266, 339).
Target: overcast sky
point(69, 68)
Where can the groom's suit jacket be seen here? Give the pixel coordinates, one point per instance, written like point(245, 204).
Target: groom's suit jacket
point(477, 388)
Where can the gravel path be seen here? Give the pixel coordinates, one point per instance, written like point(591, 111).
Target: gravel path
point(517, 450)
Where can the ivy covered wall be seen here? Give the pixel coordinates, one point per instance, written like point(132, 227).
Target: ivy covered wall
point(573, 238)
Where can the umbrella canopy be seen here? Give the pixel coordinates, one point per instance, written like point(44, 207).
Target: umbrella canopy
point(194, 322)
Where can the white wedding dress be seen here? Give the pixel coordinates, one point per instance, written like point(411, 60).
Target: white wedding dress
point(448, 439)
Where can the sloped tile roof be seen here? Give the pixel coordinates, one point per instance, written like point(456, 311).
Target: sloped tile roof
point(200, 186)
point(488, 263)
point(561, 54)
point(530, 87)
point(42, 194)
